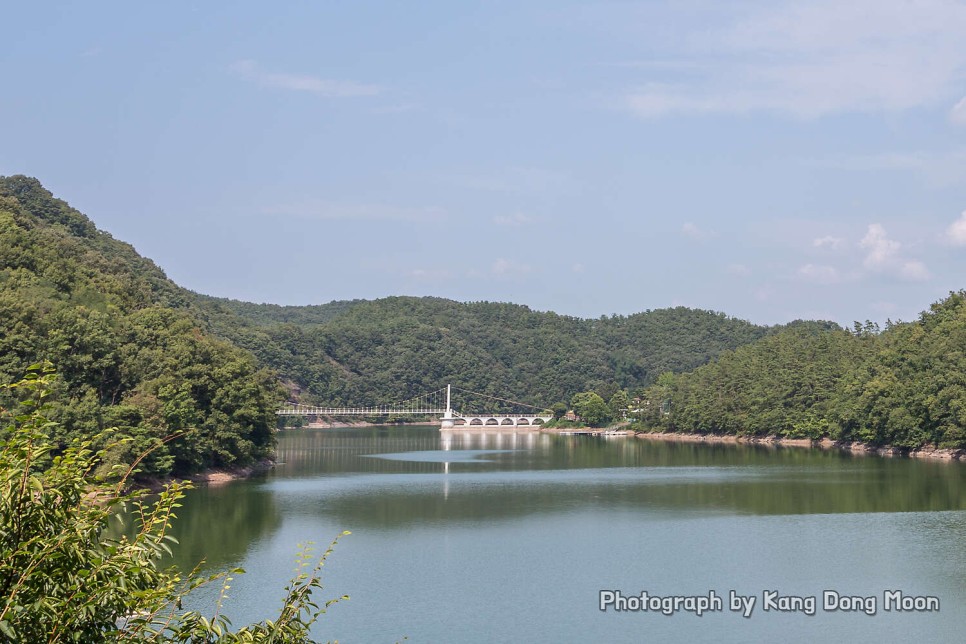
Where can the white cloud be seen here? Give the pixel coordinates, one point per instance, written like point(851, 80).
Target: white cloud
point(503, 267)
point(250, 71)
point(883, 161)
point(429, 274)
point(957, 115)
point(828, 241)
point(884, 307)
point(692, 230)
point(914, 270)
point(937, 168)
point(398, 108)
point(882, 255)
point(880, 250)
point(515, 220)
point(515, 179)
point(764, 293)
point(956, 233)
point(819, 274)
point(356, 212)
point(813, 59)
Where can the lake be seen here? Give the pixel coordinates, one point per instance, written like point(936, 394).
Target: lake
point(483, 537)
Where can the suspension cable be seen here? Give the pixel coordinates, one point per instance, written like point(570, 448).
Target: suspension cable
point(514, 402)
point(421, 397)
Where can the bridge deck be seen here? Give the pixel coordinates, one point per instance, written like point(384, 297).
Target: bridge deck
point(431, 404)
point(356, 411)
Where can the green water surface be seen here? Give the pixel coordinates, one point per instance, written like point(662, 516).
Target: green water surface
point(501, 537)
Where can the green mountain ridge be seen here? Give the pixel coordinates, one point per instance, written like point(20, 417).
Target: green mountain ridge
point(393, 348)
point(136, 351)
point(266, 314)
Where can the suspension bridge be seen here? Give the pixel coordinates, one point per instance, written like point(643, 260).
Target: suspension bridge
point(440, 403)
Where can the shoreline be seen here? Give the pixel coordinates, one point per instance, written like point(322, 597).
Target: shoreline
point(221, 475)
point(577, 431)
point(213, 476)
point(853, 447)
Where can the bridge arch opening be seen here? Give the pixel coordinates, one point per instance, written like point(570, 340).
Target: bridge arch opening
point(538, 421)
point(522, 421)
point(506, 421)
point(476, 421)
point(492, 421)
point(459, 421)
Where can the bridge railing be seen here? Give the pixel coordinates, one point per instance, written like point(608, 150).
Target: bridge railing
point(437, 402)
point(356, 411)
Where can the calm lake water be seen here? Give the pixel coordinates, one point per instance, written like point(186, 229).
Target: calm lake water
point(510, 537)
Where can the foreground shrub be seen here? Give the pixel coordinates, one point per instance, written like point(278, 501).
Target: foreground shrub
point(63, 579)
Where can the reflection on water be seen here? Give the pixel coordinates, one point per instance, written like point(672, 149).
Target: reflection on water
point(480, 508)
point(441, 456)
point(496, 474)
point(218, 524)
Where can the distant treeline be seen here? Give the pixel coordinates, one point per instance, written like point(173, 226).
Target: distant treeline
point(390, 349)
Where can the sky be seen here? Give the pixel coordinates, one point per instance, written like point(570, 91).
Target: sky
point(774, 160)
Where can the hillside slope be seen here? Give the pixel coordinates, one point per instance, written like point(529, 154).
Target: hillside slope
point(397, 347)
point(128, 349)
point(904, 387)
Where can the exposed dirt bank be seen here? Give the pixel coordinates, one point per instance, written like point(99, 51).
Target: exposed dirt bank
point(219, 476)
point(214, 476)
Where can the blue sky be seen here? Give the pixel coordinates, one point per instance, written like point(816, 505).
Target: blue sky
point(773, 160)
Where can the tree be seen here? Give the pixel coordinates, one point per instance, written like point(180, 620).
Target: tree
point(591, 408)
point(559, 409)
point(618, 404)
point(63, 580)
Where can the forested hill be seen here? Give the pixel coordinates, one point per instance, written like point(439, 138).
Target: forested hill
point(136, 351)
point(904, 387)
point(396, 347)
point(129, 349)
point(272, 314)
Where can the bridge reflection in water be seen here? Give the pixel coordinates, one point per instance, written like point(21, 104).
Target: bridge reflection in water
point(306, 452)
point(483, 440)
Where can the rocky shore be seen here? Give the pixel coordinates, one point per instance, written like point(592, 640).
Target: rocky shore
point(218, 476)
point(855, 447)
point(214, 476)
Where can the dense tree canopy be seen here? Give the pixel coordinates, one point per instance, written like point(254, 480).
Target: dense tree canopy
point(128, 343)
point(394, 348)
point(904, 387)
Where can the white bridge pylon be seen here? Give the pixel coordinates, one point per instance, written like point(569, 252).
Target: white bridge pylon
point(438, 402)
